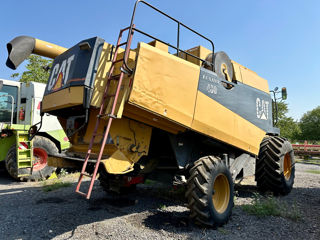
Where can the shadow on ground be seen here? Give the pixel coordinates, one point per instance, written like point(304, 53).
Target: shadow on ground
point(27, 212)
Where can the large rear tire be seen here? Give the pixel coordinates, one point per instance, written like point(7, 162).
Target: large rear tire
point(41, 148)
point(275, 168)
point(210, 192)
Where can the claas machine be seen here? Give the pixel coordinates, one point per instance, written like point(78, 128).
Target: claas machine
point(26, 160)
point(193, 117)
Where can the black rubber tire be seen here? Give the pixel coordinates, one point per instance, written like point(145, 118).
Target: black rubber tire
point(200, 192)
point(105, 179)
point(11, 161)
point(270, 166)
point(220, 58)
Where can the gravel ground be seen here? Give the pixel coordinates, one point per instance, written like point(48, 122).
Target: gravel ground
point(27, 212)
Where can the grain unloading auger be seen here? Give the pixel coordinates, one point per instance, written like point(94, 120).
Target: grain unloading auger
point(146, 113)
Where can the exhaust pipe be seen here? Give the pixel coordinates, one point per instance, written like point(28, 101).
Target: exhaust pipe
point(21, 47)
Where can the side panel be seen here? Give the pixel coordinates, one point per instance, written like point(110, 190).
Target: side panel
point(165, 84)
point(64, 98)
point(240, 116)
point(217, 121)
point(60, 136)
point(249, 77)
point(76, 67)
point(5, 144)
point(100, 80)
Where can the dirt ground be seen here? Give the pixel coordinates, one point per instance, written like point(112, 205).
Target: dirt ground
point(28, 212)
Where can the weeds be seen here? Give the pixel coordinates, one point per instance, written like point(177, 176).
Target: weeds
point(313, 171)
point(162, 207)
point(308, 161)
point(150, 182)
point(49, 186)
point(223, 231)
point(270, 206)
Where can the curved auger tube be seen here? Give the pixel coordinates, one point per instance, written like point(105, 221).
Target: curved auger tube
point(21, 47)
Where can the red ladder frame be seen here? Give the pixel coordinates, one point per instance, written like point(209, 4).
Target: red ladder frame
point(101, 114)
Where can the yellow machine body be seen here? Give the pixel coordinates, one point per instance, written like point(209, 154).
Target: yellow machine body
point(162, 93)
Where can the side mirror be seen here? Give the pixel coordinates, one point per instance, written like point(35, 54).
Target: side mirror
point(1, 84)
point(284, 93)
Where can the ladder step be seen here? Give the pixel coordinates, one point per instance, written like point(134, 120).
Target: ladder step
point(115, 77)
point(81, 193)
point(121, 44)
point(24, 150)
point(98, 134)
point(119, 60)
point(107, 115)
point(111, 115)
point(24, 160)
point(87, 175)
point(23, 175)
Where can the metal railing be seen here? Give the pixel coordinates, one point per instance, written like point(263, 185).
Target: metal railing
point(133, 29)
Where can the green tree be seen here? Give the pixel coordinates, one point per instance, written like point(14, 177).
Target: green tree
point(36, 70)
point(289, 128)
point(310, 125)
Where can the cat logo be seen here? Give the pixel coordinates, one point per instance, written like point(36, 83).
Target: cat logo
point(262, 109)
point(60, 74)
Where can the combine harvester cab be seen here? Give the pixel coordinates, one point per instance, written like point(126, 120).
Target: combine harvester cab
point(140, 113)
point(19, 110)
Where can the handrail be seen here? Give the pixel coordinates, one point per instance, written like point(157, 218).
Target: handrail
point(132, 29)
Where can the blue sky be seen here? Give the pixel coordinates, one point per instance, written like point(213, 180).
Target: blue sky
point(280, 40)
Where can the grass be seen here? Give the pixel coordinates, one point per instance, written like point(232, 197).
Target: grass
point(313, 171)
point(162, 207)
point(49, 186)
point(270, 206)
point(309, 161)
point(223, 231)
point(150, 182)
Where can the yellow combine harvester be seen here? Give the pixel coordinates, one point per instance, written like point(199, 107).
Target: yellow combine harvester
point(194, 117)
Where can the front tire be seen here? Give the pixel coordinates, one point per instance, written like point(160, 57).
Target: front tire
point(210, 192)
point(275, 168)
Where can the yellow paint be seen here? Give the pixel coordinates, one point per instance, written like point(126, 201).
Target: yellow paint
point(198, 51)
point(165, 84)
point(125, 134)
point(53, 176)
point(131, 61)
point(249, 77)
point(241, 73)
point(101, 76)
point(118, 163)
point(215, 120)
point(159, 45)
point(58, 84)
point(62, 163)
point(101, 80)
point(82, 149)
point(64, 98)
point(221, 193)
point(47, 49)
point(144, 115)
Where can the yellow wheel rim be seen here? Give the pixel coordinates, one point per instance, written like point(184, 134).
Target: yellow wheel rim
point(287, 166)
point(221, 194)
